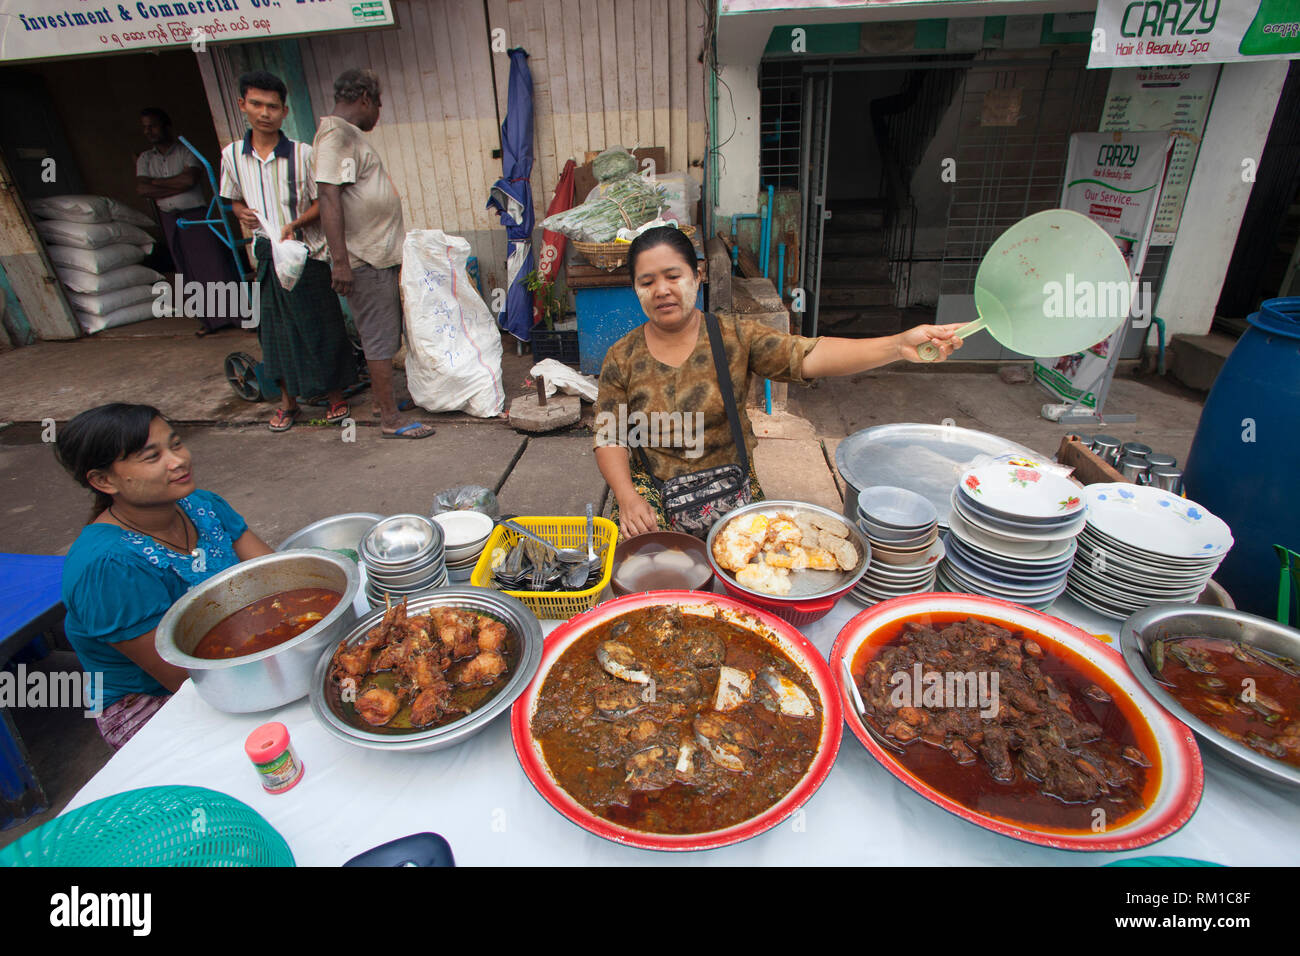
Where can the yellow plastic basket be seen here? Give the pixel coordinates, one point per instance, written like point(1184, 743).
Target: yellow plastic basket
point(563, 533)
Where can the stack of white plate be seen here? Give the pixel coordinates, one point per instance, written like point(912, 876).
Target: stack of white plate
point(902, 527)
point(1142, 546)
point(402, 555)
point(464, 535)
point(1012, 533)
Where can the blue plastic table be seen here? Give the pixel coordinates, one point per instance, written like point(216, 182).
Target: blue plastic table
point(30, 605)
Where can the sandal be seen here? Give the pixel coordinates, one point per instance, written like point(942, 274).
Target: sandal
point(283, 420)
point(334, 415)
point(413, 430)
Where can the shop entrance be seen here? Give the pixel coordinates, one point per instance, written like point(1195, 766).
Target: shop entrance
point(908, 170)
point(73, 125)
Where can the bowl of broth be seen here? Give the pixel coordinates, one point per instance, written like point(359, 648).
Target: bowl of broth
point(250, 636)
point(661, 561)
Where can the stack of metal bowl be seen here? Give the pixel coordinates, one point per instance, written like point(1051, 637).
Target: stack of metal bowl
point(402, 555)
point(903, 528)
point(464, 533)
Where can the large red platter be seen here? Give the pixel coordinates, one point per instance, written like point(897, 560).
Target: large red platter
point(1182, 775)
point(797, 647)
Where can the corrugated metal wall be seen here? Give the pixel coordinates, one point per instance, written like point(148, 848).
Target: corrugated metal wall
point(604, 72)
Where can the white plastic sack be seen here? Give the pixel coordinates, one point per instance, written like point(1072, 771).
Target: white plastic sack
point(682, 192)
point(453, 345)
point(96, 260)
point(132, 313)
point(124, 213)
point(91, 235)
point(289, 256)
point(78, 280)
point(559, 376)
point(103, 303)
point(73, 208)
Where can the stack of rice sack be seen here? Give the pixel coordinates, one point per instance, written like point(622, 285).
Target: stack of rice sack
point(97, 245)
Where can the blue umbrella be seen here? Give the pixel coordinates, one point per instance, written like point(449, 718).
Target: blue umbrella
point(512, 197)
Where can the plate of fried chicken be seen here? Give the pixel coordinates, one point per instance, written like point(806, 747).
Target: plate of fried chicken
point(428, 672)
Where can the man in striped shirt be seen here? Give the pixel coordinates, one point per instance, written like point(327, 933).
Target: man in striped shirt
point(305, 347)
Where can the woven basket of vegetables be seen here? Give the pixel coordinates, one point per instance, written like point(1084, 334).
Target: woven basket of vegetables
point(612, 255)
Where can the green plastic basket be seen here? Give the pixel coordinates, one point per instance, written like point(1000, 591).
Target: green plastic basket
point(154, 826)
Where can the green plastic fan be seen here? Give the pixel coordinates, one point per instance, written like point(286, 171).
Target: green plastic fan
point(1055, 283)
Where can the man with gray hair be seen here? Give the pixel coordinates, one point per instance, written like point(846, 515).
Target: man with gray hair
point(361, 215)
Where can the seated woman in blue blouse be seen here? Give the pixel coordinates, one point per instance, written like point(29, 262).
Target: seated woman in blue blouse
point(152, 536)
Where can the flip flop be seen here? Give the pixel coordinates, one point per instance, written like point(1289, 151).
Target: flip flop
point(405, 405)
point(285, 419)
point(410, 431)
point(332, 418)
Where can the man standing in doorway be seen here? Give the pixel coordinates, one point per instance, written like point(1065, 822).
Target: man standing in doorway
point(361, 214)
point(305, 347)
point(169, 174)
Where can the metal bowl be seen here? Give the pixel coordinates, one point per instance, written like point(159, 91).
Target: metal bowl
point(522, 624)
point(278, 675)
point(335, 533)
point(427, 570)
point(1190, 620)
point(695, 574)
point(399, 541)
point(896, 509)
point(813, 593)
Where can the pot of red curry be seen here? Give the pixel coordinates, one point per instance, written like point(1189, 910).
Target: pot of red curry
point(634, 771)
point(250, 636)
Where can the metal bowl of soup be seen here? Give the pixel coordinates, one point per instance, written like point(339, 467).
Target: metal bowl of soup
point(1228, 729)
point(278, 674)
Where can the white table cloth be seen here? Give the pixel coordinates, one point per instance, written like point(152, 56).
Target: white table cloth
point(351, 799)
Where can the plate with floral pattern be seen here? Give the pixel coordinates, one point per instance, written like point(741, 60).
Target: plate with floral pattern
point(1156, 520)
point(1020, 488)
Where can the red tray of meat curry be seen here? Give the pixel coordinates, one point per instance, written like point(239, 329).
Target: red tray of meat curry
point(1065, 749)
point(677, 720)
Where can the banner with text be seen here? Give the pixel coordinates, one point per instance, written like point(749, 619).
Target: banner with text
point(1173, 32)
point(1114, 179)
point(41, 30)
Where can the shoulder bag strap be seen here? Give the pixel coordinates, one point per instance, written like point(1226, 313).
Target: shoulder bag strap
point(725, 386)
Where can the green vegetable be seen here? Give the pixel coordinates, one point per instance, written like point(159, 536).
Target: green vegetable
point(628, 202)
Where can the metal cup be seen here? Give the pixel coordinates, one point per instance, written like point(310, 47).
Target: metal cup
point(1085, 440)
point(1158, 459)
point(1134, 469)
point(1170, 479)
point(1135, 449)
point(1106, 447)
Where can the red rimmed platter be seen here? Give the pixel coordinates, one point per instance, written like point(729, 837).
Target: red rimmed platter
point(1174, 798)
point(771, 628)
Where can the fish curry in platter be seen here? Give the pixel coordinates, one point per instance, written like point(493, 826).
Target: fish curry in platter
point(666, 722)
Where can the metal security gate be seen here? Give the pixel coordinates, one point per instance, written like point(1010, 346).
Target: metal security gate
point(816, 134)
point(1005, 173)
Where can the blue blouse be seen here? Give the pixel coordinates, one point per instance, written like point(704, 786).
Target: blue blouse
point(118, 583)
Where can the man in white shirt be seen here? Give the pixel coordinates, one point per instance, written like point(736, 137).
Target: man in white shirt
point(305, 347)
point(170, 175)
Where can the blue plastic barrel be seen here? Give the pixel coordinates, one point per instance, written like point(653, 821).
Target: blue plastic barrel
point(1245, 460)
